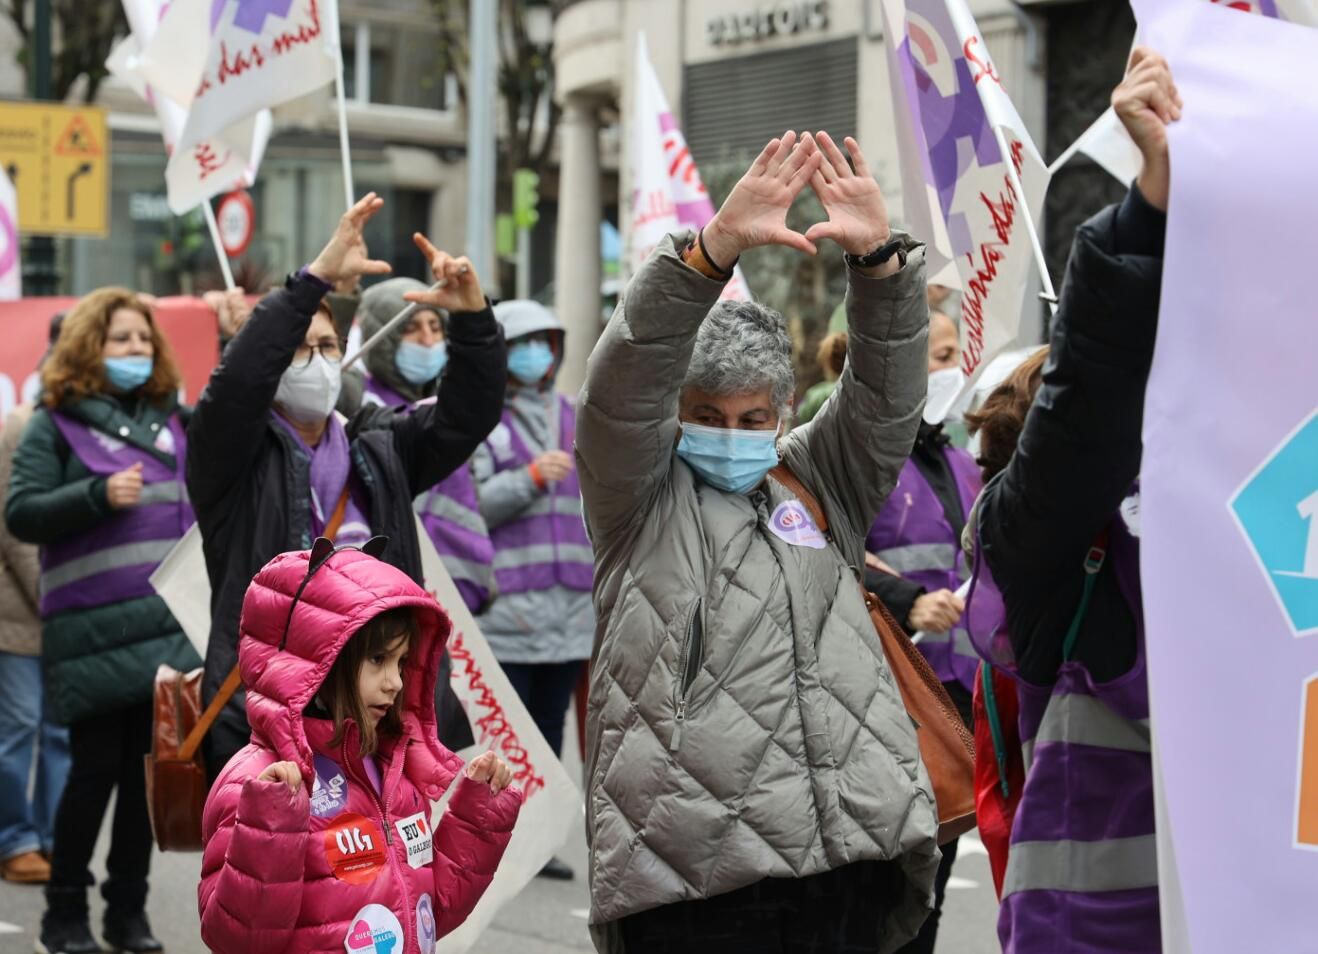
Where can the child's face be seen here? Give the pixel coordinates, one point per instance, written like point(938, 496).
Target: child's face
point(380, 679)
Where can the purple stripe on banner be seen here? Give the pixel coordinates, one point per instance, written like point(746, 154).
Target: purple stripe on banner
point(1083, 793)
point(154, 522)
point(1108, 922)
point(666, 122)
point(1269, 9)
point(112, 586)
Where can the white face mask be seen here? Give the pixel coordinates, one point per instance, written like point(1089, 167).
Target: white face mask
point(941, 403)
point(308, 394)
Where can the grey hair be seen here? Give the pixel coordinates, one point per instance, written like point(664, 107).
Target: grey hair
point(743, 346)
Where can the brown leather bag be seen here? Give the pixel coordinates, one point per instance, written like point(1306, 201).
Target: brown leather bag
point(176, 782)
point(946, 745)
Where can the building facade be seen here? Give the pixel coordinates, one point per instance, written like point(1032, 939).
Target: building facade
point(738, 72)
point(408, 143)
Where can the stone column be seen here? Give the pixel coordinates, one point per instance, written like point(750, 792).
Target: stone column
point(577, 270)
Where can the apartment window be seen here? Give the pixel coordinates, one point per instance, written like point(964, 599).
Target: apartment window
point(394, 65)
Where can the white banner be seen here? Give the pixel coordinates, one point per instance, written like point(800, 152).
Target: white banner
point(667, 193)
point(11, 273)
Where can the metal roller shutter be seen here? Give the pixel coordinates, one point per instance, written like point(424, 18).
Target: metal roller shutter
point(733, 106)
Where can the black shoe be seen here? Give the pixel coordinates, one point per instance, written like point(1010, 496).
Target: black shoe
point(555, 870)
point(130, 933)
point(67, 937)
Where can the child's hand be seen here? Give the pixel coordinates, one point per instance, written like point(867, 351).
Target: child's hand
point(286, 772)
point(491, 769)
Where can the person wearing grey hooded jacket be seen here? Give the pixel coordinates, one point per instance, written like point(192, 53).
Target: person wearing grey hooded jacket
point(753, 778)
point(541, 621)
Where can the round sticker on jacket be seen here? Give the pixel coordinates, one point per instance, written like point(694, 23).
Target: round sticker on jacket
point(375, 930)
point(329, 792)
point(792, 523)
point(425, 924)
point(355, 849)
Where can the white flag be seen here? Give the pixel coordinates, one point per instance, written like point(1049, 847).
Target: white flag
point(188, 182)
point(957, 191)
point(225, 62)
point(667, 194)
point(11, 281)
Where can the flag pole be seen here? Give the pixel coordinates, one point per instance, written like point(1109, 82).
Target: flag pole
point(1015, 180)
point(220, 253)
point(340, 95)
point(389, 326)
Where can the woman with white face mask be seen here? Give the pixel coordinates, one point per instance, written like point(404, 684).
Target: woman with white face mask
point(271, 467)
point(753, 778)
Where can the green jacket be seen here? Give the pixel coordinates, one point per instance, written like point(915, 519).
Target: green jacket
point(96, 660)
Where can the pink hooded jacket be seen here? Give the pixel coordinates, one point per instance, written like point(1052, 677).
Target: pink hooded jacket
point(340, 866)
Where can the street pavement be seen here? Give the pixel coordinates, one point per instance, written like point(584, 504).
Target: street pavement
point(547, 918)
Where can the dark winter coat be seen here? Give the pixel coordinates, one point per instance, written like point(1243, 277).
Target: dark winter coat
point(250, 482)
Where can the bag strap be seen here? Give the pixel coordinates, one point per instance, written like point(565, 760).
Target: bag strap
point(235, 679)
point(783, 474)
point(1094, 560)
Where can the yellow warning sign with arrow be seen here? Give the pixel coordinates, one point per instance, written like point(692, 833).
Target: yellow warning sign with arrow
point(58, 158)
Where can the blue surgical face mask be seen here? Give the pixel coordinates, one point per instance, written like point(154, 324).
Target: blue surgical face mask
point(731, 460)
point(418, 364)
point(130, 372)
point(530, 361)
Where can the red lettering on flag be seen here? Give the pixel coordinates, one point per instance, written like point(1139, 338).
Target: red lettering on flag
point(1003, 214)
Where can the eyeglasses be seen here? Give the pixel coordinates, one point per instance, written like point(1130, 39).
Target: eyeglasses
point(321, 551)
point(331, 351)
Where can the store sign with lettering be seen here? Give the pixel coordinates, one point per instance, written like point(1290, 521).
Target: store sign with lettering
point(781, 19)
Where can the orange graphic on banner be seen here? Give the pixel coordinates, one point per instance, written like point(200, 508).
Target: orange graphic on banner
point(77, 139)
point(1308, 807)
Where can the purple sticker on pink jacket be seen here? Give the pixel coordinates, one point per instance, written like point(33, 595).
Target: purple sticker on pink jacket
point(329, 792)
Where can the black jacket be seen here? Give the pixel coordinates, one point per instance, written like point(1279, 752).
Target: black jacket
point(1079, 453)
point(250, 483)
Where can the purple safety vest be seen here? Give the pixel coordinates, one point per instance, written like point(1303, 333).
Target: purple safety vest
point(114, 561)
point(915, 538)
point(1082, 872)
point(450, 512)
point(546, 545)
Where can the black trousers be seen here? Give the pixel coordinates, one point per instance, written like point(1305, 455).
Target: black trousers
point(546, 691)
point(106, 753)
point(837, 912)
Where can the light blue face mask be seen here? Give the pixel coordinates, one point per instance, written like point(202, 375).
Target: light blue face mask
point(418, 364)
point(129, 373)
point(530, 361)
point(732, 460)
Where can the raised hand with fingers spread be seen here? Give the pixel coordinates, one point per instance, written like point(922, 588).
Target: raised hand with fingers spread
point(462, 286)
point(755, 212)
point(857, 213)
point(345, 257)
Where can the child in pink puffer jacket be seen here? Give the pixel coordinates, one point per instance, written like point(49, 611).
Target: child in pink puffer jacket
point(318, 833)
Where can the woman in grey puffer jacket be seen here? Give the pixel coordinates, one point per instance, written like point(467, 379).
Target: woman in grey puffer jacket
point(754, 782)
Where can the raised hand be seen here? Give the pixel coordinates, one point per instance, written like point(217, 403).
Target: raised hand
point(462, 287)
point(1146, 102)
point(857, 214)
point(491, 770)
point(755, 212)
point(344, 257)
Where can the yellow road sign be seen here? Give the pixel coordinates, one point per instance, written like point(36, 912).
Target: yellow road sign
point(59, 160)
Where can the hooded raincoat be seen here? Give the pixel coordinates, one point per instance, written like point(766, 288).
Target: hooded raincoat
point(340, 865)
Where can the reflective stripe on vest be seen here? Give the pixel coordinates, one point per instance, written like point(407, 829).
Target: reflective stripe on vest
point(1115, 864)
point(1084, 720)
point(546, 544)
point(446, 508)
point(114, 560)
point(919, 557)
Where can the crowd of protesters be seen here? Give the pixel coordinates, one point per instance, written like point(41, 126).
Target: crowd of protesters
point(672, 534)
